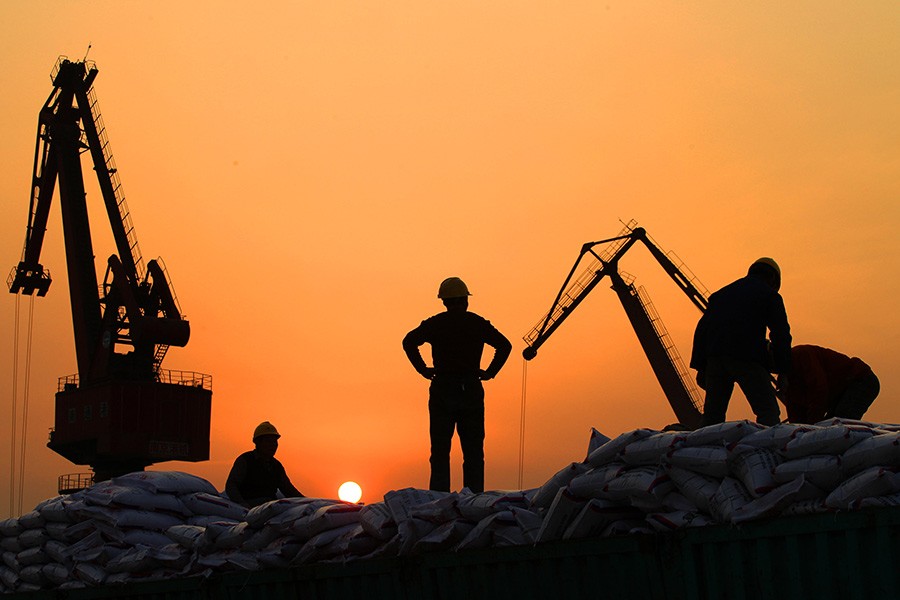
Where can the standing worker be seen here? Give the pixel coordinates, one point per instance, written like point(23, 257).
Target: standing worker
point(456, 395)
point(826, 383)
point(730, 344)
point(257, 476)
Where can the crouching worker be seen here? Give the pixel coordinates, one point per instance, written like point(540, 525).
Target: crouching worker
point(257, 476)
point(825, 384)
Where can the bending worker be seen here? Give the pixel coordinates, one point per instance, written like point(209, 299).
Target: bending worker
point(257, 476)
point(456, 395)
point(730, 344)
point(826, 383)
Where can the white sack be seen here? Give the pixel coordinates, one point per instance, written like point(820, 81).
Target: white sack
point(596, 440)
point(109, 494)
point(826, 440)
point(377, 521)
point(708, 460)
point(873, 482)
point(591, 484)
point(173, 482)
point(595, 516)
point(610, 451)
point(400, 502)
point(475, 507)
point(56, 573)
point(877, 451)
point(821, 470)
point(563, 510)
point(444, 537)
point(32, 520)
point(439, 510)
point(652, 449)
point(772, 503)
point(642, 487)
point(722, 433)
point(189, 536)
point(482, 535)
point(202, 503)
point(326, 518)
point(11, 527)
point(754, 467)
point(547, 493)
point(730, 496)
point(776, 436)
point(260, 515)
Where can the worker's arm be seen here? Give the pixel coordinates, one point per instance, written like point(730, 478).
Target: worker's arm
point(287, 488)
point(502, 348)
point(235, 479)
point(411, 343)
point(284, 483)
point(780, 335)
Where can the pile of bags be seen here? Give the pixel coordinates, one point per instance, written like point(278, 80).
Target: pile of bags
point(154, 525)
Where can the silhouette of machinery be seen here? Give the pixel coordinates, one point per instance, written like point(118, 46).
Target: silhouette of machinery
point(679, 388)
point(122, 412)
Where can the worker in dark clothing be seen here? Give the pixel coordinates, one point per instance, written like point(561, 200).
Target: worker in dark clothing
point(826, 383)
point(456, 395)
point(730, 344)
point(257, 476)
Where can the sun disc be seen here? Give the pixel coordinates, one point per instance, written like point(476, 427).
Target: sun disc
point(350, 492)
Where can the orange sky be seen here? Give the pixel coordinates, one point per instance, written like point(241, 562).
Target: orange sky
point(310, 171)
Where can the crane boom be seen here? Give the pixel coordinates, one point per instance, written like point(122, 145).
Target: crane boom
point(678, 387)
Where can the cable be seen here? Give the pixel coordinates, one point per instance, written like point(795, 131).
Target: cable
point(25, 402)
point(13, 418)
point(522, 424)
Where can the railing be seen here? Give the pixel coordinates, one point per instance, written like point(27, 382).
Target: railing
point(74, 482)
point(578, 285)
point(109, 161)
point(671, 350)
point(187, 378)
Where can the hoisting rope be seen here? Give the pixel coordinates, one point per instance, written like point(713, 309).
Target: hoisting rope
point(16, 501)
point(522, 424)
point(25, 395)
point(12, 420)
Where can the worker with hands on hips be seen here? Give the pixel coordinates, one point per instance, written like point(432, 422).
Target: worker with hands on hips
point(456, 395)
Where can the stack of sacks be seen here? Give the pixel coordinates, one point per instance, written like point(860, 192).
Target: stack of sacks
point(114, 531)
point(153, 525)
point(647, 480)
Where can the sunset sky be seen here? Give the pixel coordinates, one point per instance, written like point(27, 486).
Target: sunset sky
point(311, 171)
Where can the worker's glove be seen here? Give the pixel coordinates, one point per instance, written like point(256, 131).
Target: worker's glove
point(427, 373)
point(484, 375)
point(701, 379)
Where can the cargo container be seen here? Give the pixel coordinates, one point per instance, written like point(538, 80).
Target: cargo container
point(843, 555)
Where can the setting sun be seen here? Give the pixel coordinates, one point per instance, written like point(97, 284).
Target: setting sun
point(350, 492)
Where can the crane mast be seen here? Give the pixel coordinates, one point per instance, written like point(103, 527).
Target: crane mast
point(664, 359)
point(122, 411)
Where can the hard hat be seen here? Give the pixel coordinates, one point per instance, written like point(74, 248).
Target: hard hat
point(453, 287)
point(265, 428)
point(769, 262)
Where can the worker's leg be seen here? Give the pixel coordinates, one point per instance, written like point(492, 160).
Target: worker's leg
point(756, 383)
point(470, 425)
point(719, 386)
point(857, 398)
point(441, 425)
